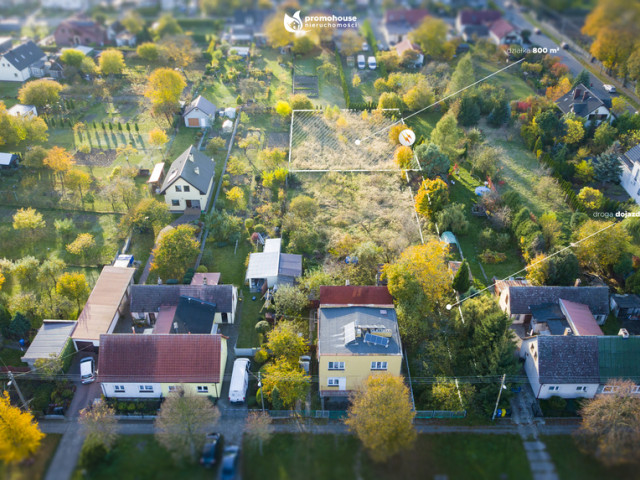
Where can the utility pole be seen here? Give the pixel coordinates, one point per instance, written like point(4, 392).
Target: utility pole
point(502, 387)
point(260, 387)
point(12, 381)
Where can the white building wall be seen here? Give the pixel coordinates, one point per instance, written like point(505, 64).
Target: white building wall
point(602, 110)
point(131, 390)
point(568, 390)
point(204, 120)
point(193, 194)
point(630, 181)
point(9, 73)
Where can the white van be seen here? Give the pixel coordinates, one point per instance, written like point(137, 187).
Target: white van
point(239, 381)
point(361, 63)
point(87, 374)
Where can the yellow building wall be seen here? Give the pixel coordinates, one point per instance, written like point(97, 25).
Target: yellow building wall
point(356, 369)
point(215, 389)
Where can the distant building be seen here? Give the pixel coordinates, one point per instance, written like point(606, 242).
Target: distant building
point(72, 5)
point(19, 110)
point(270, 268)
point(153, 366)
point(5, 44)
point(358, 336)
point(502, 32)
point(583, 103)
point(52, 339)
point(579, 366)
point(200, 113)
point(8, 160)
point(17, 64)
point(473, 24)
point(80, 30)
point(398, 23)
point(405, 46)
point(189, 182)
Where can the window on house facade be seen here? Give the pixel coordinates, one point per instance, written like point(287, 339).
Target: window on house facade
point(336, 365)
point(581, 389)
point(175, 203)
point(145, 388)
point(609, 389)
point(187, 188)
point(333, 382)
point(172, 388)
point(178, 188)
point(203, 389)
point(554, 388)
point(118, 388)
point(636, 389)
point(378, 365)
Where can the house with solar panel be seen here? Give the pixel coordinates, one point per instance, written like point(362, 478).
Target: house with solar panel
point(189, 182)
point(571, 366)
point(153, 366)
point(358, 336)
point(630, 176)
point(271, 267)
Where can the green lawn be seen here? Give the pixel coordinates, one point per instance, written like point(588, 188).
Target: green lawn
point(572, 464)
point(319, 457)
point(515, 86)
point(141, 457)
point(232, 269)
point(330, 90)
point(35, 468)
point(11, 357)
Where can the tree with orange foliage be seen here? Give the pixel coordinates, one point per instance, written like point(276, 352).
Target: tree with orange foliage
point(60, 161)
point(20, 435)
point(563, 87)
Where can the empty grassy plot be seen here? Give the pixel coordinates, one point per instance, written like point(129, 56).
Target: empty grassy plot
point(375, 206)
point(341, 140)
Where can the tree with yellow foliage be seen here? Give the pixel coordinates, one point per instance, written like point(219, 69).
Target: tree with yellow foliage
point(164, 88)
point(563, 87)
point(2, 279)
point(111, 62)
point(538, 270)
point(20, 435)
point(381, 415)
point(432, 197)
point(600, 252)
point(60, 161)
point(158, 137)
point(575, 131)
point(403, 156)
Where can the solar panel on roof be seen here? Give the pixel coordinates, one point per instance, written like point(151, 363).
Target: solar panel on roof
point(349, 332)
point(376, 339)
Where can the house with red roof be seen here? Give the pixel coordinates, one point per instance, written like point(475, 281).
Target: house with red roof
point(398, 23)
point(504, 33)
point(474, 24)
point(407, 46)
point(153, 366)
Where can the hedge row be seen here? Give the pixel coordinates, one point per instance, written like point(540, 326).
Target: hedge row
point(343, 80)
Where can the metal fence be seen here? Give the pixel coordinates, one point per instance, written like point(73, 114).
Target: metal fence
point(440, 414)
point(340, 414)
point(245, 352)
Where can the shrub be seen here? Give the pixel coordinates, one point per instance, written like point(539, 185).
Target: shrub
point(557, 403)
point(92, 454)
point(489, 256)
point(261, 356)
point(202, 269)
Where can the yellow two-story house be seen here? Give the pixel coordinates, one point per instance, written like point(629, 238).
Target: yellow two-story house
point(357, 336)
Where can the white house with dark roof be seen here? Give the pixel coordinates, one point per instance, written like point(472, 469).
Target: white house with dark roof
point(502, 32)
point(189, 182)
point(200, 113)
point(630, 177)
point(579, 366)
point(16, 64)
point(585, 104)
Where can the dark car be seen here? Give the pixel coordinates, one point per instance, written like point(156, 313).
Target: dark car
point(230, 463)
point(211, 450)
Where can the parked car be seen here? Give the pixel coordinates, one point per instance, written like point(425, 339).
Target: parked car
point(87, 370)
point(239, 380)
point(564, 45)
point(537, 31)
point(371, 61)
point(230, 463)
point(211, 450)
point(361, 63)
point(609, 88)
point(365, 47)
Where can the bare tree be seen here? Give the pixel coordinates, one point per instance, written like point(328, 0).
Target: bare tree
point(259, 429)
point(610, 427)
point(183, 422)
point(101, 424)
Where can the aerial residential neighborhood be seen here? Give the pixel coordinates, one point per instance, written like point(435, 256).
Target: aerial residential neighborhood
point(292, 240)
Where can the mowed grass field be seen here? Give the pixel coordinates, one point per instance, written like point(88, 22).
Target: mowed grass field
point(329, 457)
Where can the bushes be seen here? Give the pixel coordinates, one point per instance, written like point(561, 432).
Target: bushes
point(92, 454)
point(489, 256)
point(343, 80)
point(141, 407)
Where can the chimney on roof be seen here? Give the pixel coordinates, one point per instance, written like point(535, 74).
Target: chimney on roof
point(576, 93)
point(577, 282)
point(567, 332)
point(346, 282)
point(585, 95)
point(197, 170)
point(204, 280)
point(190, 157)
point(624, 333)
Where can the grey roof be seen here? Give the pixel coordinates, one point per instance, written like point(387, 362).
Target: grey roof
point(51, 338)
point(290, 265)
point(580, 105)
point(272, 263)
point(521, 298)
point(546, 311)
point(149, 298)
point(24, 55)
point(331, 331)
point(192, 166)
point(626, 301)
point(568, 359)
point(632, 156)
point(194, 316)
point(203, 104)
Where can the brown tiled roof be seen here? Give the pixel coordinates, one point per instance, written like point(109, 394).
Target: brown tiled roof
point(160, 358)
point(355, 295)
